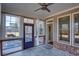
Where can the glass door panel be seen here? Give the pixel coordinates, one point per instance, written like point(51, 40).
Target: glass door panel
point(28, 33)
point(28, 36)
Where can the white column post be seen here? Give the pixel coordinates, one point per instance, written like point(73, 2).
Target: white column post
point(46, 29)
point(57, 24)
point(37, 33)
point(72, 29)
point(21, 26)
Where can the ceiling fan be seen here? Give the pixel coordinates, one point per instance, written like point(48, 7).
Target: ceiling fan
point(44, 6)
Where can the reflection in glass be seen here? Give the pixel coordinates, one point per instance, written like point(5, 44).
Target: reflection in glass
point(76, 27)
point(11, 46)
point(28, 33)
point(27, 20)
point(12, 26)
point(64, 28)
point(41, 27)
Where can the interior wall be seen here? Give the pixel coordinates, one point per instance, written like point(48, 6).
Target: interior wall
point(0, 21)
point(55, 29)
point(0, 29)
point(56, 35)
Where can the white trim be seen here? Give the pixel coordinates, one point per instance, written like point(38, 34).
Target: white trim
point(49, 20)
point(64, 42)
point(73, 41)
point(60, 12)
point(76, 45)
point(63, 16)
point(70, 30)
point(47, 23)
point(4, 27)
point(75, 13)
point(46, 35)
point(58, 30)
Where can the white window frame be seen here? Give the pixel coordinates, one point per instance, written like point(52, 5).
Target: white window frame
point(73, 36)
point(27, 20)
point(64, 42)
point(4, 23)
point(49, 20)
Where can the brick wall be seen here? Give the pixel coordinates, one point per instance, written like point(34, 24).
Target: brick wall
point(64, 47)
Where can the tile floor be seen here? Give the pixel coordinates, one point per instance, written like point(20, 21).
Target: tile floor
point(42, 50)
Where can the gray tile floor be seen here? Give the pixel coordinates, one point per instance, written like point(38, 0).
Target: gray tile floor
point(42, 50)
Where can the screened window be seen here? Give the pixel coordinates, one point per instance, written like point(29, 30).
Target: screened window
point(12, 26)
point(64, 28)
point(27, 20)
point(11, 46)
point(76, 27)
point(41, 27)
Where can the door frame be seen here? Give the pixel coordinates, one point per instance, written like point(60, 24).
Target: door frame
point(51, 37)
point(50, 21)
point(27, 24)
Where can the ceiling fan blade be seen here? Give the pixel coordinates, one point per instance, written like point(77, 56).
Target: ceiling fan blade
point(37, 9)
point(45, 4)
point(48, 10)
point(50, 4)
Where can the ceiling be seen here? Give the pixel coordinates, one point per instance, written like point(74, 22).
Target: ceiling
point(27, 9)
